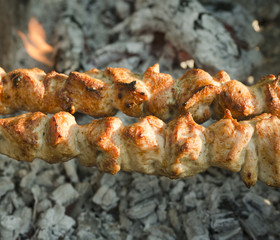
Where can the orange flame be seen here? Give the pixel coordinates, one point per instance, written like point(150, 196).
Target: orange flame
point(35, 42)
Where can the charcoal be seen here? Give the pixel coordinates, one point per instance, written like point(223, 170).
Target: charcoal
point(244, 32)
point(71, 172)
point(255, 202)
point(123, 205)
point(255, 226)
point(9, 227)
point(86, 235)
point(106, 197)
point(122, 9)
point(163, 19)
point(16, 200)
point(88, 225)
point(5, 185)
point(36, 194)
point(190, 200)
point(177, 191)
point(142, 209)
point(174, 219)
point(59, 181)
point(46, 177)
point(165, 184)
point(57, 231)
point(161, 210)
point(8, 167)
point(65, 194)
point(136, 231)
point(6, 205)
point(25, 215)
point(54, 223)
point(143, 187)
point(43, 205)
point(194, 227)
point(222, 198)
point(225, 226)
point(125, 222)
point(161, 232)
point(111, 231)
point(52, 216)
point(108, 180)
point(123, 179)
point(150, 220)
point(85, 192)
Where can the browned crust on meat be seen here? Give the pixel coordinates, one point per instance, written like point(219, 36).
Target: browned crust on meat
point(236, 97)
point(21, 128)
point(160, 86)
point(226, 142)
point(140, 136)
point(99, 135)
point(268, 142)
point(144, 143)
point(102, 93)
point(54, 101)
point(195, 92)
point(221, 77)
point(184, 145)
point(22, 87)
point(129, 91)
point(272, 94)
point(20, 131)
point(179, 149)
point(89, 94)
point(59, 128)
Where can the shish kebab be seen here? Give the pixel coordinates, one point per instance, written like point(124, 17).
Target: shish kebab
point(102, 93)
point(182, 148)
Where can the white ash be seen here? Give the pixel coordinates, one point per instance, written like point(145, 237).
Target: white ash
point(225, 226)
point(161, 232)
point(263, 206)
point(64, 195)
point(71, 171)
point(105, 197)
point(69, 201)
point(53, 223)
point(177, 191)
point(5, 185)
point(194, 227)
point(142, 209)
point(18, 223)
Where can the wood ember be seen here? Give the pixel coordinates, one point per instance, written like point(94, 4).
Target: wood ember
point(68, 201)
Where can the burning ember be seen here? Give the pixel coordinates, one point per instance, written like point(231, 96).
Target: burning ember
point(35, 43)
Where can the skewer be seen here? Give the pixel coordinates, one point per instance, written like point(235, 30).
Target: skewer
point(102, 93)
point(181, 148)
